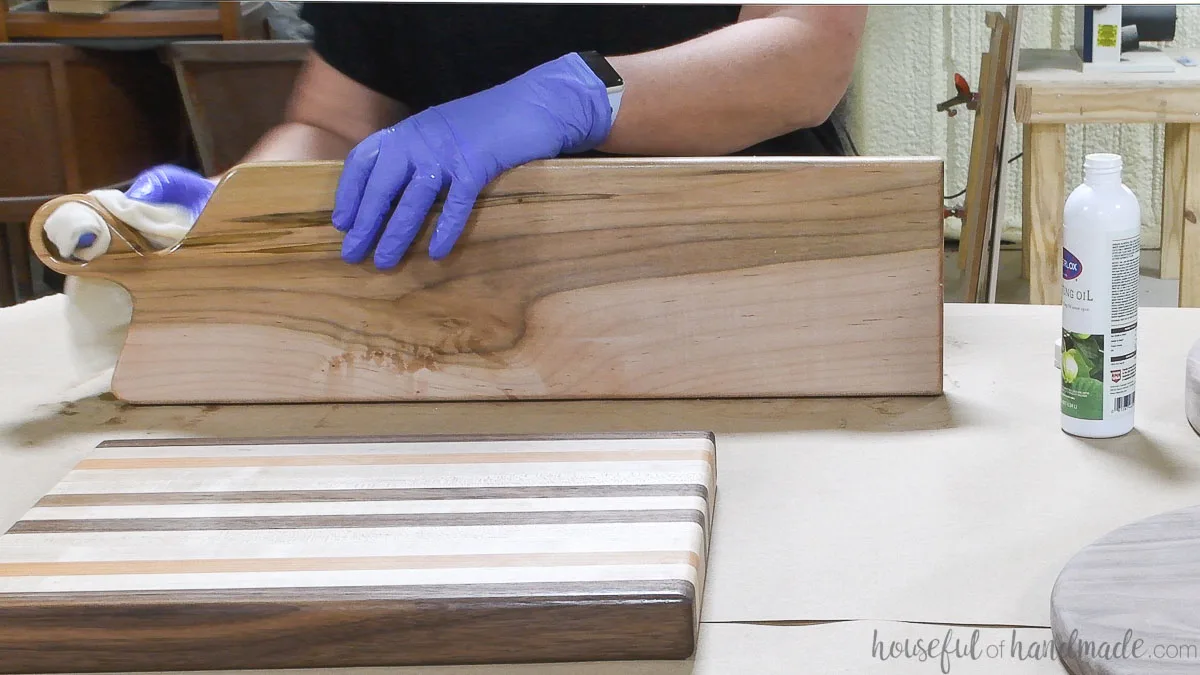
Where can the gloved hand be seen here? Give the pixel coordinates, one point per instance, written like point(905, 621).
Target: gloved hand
point(558, 107)
point(162, 203)
point(168, 184)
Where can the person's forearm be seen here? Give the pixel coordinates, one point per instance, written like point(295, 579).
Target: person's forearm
point(327, 115)
point(297, 141)
point(737, 86)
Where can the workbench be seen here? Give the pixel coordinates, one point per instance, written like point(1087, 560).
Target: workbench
point(1052, 92)
point(842, 525)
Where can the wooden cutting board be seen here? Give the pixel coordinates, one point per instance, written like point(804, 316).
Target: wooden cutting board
point(1129, 604)
point(637, 278)
point(299, 553)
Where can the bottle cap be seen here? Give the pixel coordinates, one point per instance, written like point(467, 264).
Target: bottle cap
point(1102, 163)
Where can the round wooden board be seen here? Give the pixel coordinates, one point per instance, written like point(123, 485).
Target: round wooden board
point(1129, 603)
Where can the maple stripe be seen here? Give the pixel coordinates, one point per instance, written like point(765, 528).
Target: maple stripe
point(236, 450)
point(239, 581)
point(387, 520)
point(365, 495)
point(655, 437)
point(349, 542)
point(630, 590)
point(97, 464)
point(273, 478)
point(260, 510)
point(237, 565)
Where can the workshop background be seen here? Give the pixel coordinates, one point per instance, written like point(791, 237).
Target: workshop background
point(909, 56)
point(906, 67)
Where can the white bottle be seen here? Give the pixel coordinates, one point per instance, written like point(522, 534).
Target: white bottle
point(1101, 260)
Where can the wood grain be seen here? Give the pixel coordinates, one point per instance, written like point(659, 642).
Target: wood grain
point(980, 131)
point(1126, 604)
point(638, 278)
point(577, 558)
point(19, 255)
point(1175, 163)
point(226, 20)
point(94, 118)
point(1026, 208)
point(124, 23)
point(1045, 164)
point(86, 7)
point(999, 194)
point(1189, 245)
point(1052, 89)
point(8, 290)
point(987, 169)
point(1107, 104)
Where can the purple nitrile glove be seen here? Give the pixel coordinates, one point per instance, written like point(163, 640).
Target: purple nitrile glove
point(167, 184)
point(557, 107)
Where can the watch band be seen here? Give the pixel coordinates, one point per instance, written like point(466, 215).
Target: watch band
point(609, 76)
point(614, 102)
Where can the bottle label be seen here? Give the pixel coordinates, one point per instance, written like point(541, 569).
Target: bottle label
point(1099, 336)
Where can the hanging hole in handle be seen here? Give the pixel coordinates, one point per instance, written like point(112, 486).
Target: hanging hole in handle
point(123, 239)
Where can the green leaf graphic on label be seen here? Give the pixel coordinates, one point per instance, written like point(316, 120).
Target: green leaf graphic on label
point(1083, 398)
point(1082, 365)
point(1088, 385)
point(1090, 357)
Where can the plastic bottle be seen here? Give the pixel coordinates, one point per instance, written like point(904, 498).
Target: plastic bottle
point(1101, 260)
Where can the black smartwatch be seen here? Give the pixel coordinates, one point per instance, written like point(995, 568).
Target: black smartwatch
point(609, 76)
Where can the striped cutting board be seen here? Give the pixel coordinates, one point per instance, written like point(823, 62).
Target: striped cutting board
point(294, 553)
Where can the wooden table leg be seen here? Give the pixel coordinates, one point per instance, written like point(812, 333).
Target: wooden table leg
point(1026, 219)
point(8, 294)
point(1175, 162)
point(1189, 245)
point(1045, 166)
point(18, 245)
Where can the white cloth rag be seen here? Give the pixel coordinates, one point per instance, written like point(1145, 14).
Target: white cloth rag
point(98, 310)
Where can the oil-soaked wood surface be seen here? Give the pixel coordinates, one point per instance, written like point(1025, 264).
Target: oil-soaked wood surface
point(596, 278)
point(195, 554)
point(1126, 604)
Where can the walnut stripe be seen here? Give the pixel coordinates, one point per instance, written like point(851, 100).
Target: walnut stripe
point(385, 460)
point(328, 628)
point(382, 494)
point(354, 522)
point(412, 562)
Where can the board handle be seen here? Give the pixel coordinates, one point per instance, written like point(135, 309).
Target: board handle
point(126, 242)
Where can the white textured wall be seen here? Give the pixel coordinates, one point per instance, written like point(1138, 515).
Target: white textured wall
point(907, 65)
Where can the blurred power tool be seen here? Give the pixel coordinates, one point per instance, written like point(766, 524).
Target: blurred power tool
point(1146, 23)
point(1104, 32)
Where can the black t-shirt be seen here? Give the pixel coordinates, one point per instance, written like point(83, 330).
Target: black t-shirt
point(427, 54)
